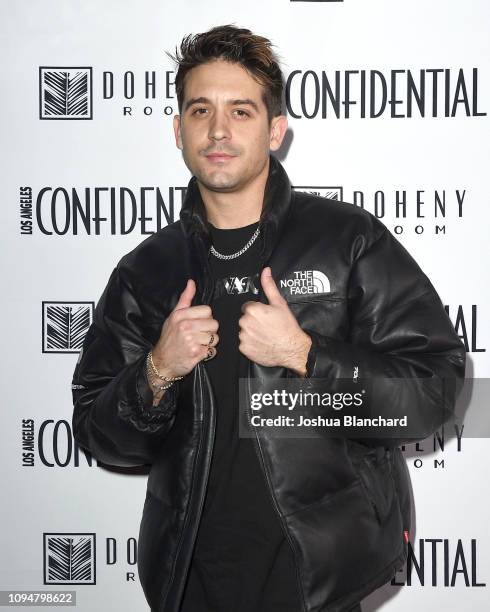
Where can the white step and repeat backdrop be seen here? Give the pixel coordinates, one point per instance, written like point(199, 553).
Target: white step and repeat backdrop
point(388, 106)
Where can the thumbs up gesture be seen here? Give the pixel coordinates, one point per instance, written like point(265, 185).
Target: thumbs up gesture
point(270, 334)
point(187, 335)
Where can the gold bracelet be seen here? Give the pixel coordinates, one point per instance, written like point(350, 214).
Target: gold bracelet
point(162, 387)
point(154, 384)
point(149, 361)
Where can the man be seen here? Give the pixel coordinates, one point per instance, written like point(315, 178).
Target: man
point(262, 523)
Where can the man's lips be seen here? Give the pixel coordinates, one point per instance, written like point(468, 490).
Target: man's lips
point(219, 157)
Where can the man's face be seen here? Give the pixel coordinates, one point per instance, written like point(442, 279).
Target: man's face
point(224, 131)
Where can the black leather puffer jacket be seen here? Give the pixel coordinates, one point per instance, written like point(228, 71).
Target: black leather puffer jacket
point(344, 504)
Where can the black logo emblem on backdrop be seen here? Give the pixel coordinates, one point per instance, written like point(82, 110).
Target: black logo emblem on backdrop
point(333, 193)
point(65, 325)
point(69, 558)
point(65, 93)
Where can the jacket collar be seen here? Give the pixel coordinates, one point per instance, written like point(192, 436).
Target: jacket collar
point(275, 208)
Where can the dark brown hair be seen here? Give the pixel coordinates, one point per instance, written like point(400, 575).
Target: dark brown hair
point(236, 45)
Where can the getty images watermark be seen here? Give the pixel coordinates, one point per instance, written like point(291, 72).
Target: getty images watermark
point(384, 408)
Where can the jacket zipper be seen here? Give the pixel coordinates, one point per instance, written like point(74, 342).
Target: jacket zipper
point(200, 505)
point(268, 486)
point(258, 451)
point(200, 502)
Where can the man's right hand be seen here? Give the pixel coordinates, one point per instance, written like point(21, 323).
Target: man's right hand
point(185, 335)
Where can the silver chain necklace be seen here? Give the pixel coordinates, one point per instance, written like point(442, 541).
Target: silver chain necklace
point(238, 253)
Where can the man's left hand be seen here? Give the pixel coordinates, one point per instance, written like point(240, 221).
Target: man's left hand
point(270, 334)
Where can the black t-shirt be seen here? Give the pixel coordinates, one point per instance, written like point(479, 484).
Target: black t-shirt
point(242, 561)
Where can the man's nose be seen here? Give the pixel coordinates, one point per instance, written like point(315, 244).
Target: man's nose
point(219, 127)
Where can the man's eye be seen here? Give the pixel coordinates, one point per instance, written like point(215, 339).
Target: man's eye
point(241, 113)
point(198, 111)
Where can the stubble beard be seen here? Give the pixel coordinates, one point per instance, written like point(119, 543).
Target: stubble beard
point(223, 181)
point(218, 180)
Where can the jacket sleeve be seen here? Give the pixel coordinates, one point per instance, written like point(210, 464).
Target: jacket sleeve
point(113, 416)
point(401, 343)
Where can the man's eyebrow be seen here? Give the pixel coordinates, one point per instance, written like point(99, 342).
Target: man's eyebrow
point(192, 101)
point(244, 101)
point(237, 102)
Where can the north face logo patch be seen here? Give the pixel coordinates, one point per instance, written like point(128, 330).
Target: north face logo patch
point(306, 281)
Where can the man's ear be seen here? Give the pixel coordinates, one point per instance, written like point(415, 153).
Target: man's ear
point(178, 137)
point(279, 126)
